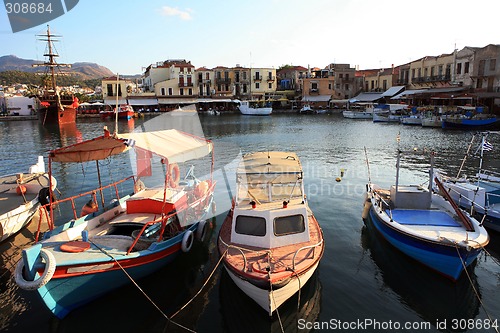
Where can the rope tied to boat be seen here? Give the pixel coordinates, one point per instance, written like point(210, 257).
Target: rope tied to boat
point(274, 301)
point(472, 284)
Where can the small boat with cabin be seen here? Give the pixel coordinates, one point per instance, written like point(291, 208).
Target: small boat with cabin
point(270, 241)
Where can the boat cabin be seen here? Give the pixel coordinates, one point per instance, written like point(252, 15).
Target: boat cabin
point(270, 209)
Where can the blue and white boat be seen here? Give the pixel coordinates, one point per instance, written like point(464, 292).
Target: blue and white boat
point(480, 194)
point(129, 232)
point(426, 226)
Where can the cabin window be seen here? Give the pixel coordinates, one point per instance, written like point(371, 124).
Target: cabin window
point(250, 225)
point(287, 225)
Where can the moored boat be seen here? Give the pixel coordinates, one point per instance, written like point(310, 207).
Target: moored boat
point(253, 108)
point(54, 107)
point(426, 226)
point(20, 196)
point(122, 233)
point(270, 241)
point(125, 111)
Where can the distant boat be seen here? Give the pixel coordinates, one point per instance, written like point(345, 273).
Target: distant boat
point(306, 109)
point(414, 119)
point(271, 243)
point(21, 195)
point(359, 111)
point(125, 111)
point(426, 226)
point(54, 107)
point(471, 118)
point(254, 108)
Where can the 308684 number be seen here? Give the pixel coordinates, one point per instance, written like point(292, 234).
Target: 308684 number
point(28, 7)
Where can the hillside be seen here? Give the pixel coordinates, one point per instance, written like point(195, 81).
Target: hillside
point(83, 70)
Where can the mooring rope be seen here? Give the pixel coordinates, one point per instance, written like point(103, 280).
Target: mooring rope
point(274, 301)
point(473, 287)
point(140, 289)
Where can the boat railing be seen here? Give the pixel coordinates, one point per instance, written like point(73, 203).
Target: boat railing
point(382, 203)
point(45, 209)
point(489, 175)
point(164, 219)
point(242, 249)
point(305, 248)
point(471, 202)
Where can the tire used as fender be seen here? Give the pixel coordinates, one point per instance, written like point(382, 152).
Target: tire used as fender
point(187, 241)
point(48, 272)
point(201, 230)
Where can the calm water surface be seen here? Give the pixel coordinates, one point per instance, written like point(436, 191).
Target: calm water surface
point(360, 276)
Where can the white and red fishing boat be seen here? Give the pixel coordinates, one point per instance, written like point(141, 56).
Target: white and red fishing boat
point(270, 240)
point(124, 232)
point(125, 111)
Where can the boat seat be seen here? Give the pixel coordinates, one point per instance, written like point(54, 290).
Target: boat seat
point(151, 201)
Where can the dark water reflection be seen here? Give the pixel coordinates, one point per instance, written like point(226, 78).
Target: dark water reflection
point(360, 277)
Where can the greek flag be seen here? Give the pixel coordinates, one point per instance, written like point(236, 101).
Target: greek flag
point(487, 146)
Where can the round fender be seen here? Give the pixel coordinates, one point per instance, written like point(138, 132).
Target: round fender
point(48, 272)
point(201, 230)
point(44, 196)
point(187, 241)
point(175, 174)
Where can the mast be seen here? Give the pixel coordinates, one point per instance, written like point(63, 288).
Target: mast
point(116, 108)
point(51, 64)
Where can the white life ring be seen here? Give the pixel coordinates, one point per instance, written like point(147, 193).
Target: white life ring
point(50, 268)
point(201, 230)
point(187, 241)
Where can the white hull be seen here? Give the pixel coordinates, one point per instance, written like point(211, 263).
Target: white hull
point(255, 111)
point(268, 300)
point(357, 114)
point(431, 122)
point(16, 219)
point(411, 120)
point(385, 118)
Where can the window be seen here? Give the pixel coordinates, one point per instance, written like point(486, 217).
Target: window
point(329, 86)
point(181, 92)
point(466, 68)
point(288, 225)
point(384, 84)
point(109, 88)
point(341, 75)
point(250, 225)
point(413, 73)
point(170, 91)
point(244, 75)
point(493, 64)
point(270, 85)
point(162, 92)
point(257, 85)
point(347, 77)
point(459, 68)
point(190, 91)
point(207, 76)
point(346, 87)
point(200, 88)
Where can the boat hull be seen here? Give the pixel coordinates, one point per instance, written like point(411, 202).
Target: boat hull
point(442, 258)
point(14, 220)
point(268, 299)
point(53, 115)
point(255, 111)
point(91, 280)
point(357, 114)
point(488, 123)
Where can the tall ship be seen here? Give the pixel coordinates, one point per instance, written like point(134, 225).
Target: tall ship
point(54, 107)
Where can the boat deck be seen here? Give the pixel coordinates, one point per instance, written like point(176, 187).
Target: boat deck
point(423, 217)
point(276, 263)
point(10, 201)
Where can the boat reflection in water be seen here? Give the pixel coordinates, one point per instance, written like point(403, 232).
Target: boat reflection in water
point(432, 296)
point(241, 313)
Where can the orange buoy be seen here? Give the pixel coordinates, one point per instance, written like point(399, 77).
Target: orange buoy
point(175, 174)
point(21, 189)
point(75, 246)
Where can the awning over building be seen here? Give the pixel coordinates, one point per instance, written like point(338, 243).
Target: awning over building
point(170, 101)
point(113, 101)
point(319, 98)
point(142, 101)
point(211, 100)
point(366, 97)
point(393, 91)
point(406, 93)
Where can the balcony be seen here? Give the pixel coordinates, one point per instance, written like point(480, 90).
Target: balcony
point(257, 78)
point(314, 91)
point(207, 82)
point(270, 78)
point(185, 84)
point(222, 81)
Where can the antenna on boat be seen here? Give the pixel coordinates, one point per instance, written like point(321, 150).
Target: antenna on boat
point(368, 166)
point(116, 108)
point(398, 139)
point(465, 157)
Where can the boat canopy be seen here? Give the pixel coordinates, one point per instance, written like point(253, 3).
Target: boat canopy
point(174, 145)
point(275, 167)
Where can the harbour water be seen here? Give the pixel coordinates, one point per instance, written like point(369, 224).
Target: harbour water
point(362, 285)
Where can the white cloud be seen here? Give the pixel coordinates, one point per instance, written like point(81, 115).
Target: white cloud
point(171, 11)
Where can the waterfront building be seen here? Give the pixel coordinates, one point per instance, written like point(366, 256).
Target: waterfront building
point(110, 90)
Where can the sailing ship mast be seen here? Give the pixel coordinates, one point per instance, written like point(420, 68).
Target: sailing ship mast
point(51, 64)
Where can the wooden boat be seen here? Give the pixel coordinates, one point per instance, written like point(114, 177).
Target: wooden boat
point(479, 194)
point(20, 197)
point(427, 226)
point(470, 118)
point(54, 107)
point(253, 108)
point(127, 236)
point(306, 109)
point(270, 241)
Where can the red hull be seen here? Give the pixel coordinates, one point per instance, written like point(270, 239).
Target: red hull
point(52, 115)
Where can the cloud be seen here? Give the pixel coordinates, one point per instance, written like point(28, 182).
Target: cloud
point(170, 11)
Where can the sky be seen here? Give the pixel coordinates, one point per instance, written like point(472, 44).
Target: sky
point(127, 36)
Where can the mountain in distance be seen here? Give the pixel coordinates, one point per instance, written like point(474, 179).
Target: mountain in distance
point(86, 70)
